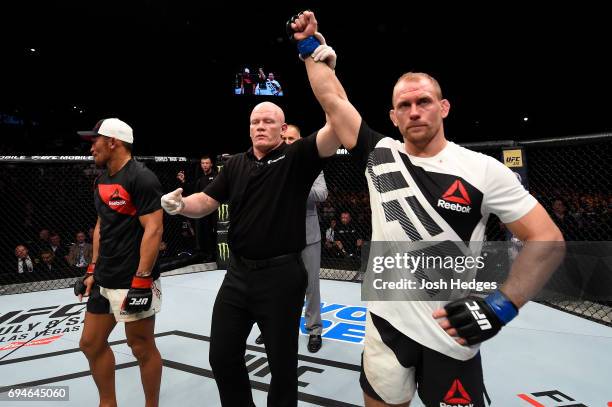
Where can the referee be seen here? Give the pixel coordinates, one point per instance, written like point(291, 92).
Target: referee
point(267, 188)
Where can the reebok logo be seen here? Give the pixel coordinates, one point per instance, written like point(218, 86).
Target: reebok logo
point(456, 198)
point(457, 193)
point(456, 396)
point(453, 207)
point(116, 198)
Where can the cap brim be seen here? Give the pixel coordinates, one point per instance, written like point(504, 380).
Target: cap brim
point(87, 134)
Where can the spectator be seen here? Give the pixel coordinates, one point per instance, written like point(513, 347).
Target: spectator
point(55, 244)
point(566, 222)
point(208, 173)
point(43, 236)
point(330, 234)
point(24, 261)
point(43, 241)
point(588, 217)
point(348, 240)
point(48, 263)
point(90, 233)
point(80, 252)
point(187, 238)
point(329, 212)
point(59, 251)
point(206, 227)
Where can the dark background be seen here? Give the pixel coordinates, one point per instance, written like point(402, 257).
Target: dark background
point(168, 69)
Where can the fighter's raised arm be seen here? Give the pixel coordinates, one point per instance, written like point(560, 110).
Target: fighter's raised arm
point(320, 62)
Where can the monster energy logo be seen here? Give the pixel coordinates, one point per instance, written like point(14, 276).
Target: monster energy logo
point(223, 212)
point(223, 251)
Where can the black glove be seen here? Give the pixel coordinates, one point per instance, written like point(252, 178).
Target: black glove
point(477, 319)
point(139, 296)
point(288, 28)
point(79, 286)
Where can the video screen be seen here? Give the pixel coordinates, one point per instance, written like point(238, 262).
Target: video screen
point(258, 81)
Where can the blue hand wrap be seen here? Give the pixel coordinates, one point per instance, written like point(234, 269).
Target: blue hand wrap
point(502, 306)
point(307, 46)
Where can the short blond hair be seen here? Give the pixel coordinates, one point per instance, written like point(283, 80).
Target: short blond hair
point(415, 77)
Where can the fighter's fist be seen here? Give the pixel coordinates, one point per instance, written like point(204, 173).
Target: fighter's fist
point(139, 296)
point(302, 26)
point(473, 320)
point(172, 202)
point(82, 287)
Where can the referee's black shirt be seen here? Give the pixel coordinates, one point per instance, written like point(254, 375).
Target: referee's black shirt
point(267, 198)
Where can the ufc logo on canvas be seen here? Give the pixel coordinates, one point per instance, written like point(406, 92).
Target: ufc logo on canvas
point(481, 318)
point(139, 301)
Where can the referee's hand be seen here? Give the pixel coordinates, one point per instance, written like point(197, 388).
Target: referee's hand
point(173, 202)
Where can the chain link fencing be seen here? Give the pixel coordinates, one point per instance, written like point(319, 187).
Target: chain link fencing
point(46, 208)
point(50, 198)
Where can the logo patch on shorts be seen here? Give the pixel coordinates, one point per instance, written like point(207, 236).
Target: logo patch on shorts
point(457, 396)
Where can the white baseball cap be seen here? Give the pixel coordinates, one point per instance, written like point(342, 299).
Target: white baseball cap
point(110, 128)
